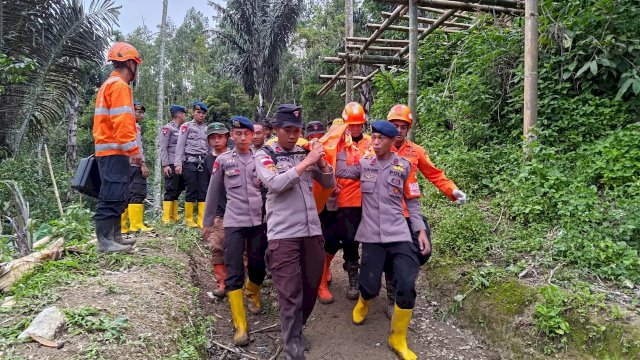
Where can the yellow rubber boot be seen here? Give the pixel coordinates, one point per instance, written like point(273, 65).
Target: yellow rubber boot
point(200, 213)
point(239, 317)
point(188, 214)
point(252, 292)
point(136, 214)
point(174, 211)
point(166, 212)
point(360, 311)
point(398, 339)
point(124, 229)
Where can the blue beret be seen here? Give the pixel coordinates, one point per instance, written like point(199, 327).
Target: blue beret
point(197, 105)
point(137, 105)
point(241, 122)
point(288, 115)
point(385, 128)
point(176, 109)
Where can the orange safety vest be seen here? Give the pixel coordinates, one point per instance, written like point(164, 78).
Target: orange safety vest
point(114, 122)
point(348, 190)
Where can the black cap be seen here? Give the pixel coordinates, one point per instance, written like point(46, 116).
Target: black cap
point(288, 115)
point(314, 127)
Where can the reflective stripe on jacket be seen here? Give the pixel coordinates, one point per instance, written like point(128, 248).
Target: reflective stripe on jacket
point(114, 123)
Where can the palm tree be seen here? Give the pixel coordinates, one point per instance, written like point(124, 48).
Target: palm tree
point(257, 33)
point(61, 36)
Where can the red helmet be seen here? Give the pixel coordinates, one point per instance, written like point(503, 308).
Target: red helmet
point(353, 113)
point(400, 112)
point(121, 51)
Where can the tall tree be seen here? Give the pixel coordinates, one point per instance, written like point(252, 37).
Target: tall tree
point(159, 119)
point(257, 33)
point(60, 36)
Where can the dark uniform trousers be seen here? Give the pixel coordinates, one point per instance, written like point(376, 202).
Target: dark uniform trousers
point(235, 240)
point(137, 185)
point(339, 229)
point(114, 186)
point(296, 266)
point(197, 180)
point(173, 185)
point(402, 258)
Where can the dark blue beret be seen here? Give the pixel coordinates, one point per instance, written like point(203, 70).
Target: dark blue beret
point(197, 105)
point(241, 122)
point(137, 105)
point(385, 128)
point(288, 115)
point(176, 109)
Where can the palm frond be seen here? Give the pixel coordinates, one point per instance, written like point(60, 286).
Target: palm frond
point(60, 36)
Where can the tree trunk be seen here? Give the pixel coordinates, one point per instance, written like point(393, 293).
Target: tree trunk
point(157, 178)
point(366, 96)
point(72, 141)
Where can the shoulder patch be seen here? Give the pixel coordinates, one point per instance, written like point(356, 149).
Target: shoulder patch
point(267, 162)
point(184, 128)
point(216, 166)
point(165, 130)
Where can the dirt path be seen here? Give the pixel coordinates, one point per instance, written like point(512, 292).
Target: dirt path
point(331, 333)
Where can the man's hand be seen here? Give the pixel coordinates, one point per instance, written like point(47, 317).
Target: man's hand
point(179, 170)
point(206, 231)
point(461, 198)
point(423, 240)
point(136, 159)
point(145, 170)
point(316, 153)
point(167, 171)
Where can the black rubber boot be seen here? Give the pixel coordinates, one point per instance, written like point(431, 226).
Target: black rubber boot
point(117, 234)
point(391, 296)
point(106, 241)
point(352, 271)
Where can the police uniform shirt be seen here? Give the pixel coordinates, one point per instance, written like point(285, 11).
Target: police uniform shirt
point(291, 207)
point(139, 143)
point(384, 184)
point(168, 141)
point(192, 141)
point(209, 160)
point(237, 176)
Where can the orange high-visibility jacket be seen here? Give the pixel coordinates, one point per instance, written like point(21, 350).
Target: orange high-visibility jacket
point(348, 190)
point(114, 122)
point(420, 161)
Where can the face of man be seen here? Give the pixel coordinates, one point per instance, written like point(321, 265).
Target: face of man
point(242, 138)
point(217, 141)
point(403, 128)
point(314, 136)
point(381, 144)
point(355, 130)
point(288, 136)
point(198, 116)
point(259, 135)
point(139, 116)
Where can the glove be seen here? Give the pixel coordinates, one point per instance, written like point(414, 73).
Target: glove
point(461, 198)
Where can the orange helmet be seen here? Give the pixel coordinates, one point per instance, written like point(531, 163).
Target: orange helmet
point(400, 112)
point(121, 51)
point(353, 113)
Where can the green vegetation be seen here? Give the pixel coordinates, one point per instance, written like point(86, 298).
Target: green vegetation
point(88, 319)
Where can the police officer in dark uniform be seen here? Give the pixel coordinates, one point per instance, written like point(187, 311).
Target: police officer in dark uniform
point(173, 183)
point(190, 152)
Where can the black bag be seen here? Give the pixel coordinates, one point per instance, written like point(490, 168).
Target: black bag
point(87, 177)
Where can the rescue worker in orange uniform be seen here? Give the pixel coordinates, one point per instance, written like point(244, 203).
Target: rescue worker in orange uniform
point(137, 183)
point(114, 134)
point(349, 213)
point(400, 116)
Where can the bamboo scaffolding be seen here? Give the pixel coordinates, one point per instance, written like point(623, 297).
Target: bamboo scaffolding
point(413, 63)
point(431, 21)
point(348, 9)
point(458, 5)
point(355, 77)
point(440, 11)
point(377, 48)
point(365, 59)
point(399, 11)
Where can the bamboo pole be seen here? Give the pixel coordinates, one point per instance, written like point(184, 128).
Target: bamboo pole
point(431, 21)
point(530, 70)
point(341, 77)
point(431, 29)
point(331, 82)
point(367, 78)
point(348, 81)
point(407, 29)
point(413, 62)
point(390, 42)
point(376, 48)
point(440, 11)
point(365, 59)
point(458, 5)
point(53, 180)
